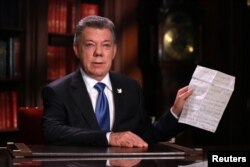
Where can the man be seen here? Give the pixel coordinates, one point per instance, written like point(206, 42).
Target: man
point(70, 103)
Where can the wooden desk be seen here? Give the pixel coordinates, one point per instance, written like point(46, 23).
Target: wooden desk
point(161, 154)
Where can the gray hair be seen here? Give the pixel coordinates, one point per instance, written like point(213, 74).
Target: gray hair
point(93, 22)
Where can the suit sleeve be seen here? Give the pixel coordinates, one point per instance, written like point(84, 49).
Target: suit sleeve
point(57, 129)
point(163, 129)
point(167, 127)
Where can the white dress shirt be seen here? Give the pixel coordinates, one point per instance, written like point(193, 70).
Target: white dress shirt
point(93, 93)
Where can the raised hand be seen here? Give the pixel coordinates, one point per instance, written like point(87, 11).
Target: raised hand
point(180, 99)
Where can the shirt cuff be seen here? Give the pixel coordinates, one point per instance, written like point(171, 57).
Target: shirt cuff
point(107, 136)
point(173, 113)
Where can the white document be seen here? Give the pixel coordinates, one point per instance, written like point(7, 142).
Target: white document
point(211, 92)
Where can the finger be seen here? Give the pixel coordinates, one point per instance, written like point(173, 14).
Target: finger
point(132, 140)
point(126, 139)
point(140, 144)
point(182, 90)
point(127, 143)
point(181, 97)
point(186, 94)
point(137, 141)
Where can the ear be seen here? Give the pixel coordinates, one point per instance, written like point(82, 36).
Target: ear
point(76, 51)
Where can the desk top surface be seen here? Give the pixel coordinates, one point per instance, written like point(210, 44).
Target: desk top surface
point(48, 156)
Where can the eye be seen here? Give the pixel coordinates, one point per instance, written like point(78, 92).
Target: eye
point(89, 44)
point(107, 45)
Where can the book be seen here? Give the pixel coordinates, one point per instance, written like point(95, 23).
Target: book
point(57, 16)
point(87, 9)
point(3, 57)
point(13, 58)
point(10, 58)
point(60, 61)
point(8, 110)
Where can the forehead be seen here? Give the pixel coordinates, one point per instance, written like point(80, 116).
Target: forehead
point(90, 33)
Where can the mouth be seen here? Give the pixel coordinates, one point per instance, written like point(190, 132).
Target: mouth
point(98, 62)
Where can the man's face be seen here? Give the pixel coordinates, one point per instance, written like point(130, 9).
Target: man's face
point(96, 51)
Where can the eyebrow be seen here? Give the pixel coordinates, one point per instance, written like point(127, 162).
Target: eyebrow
point(90, 40)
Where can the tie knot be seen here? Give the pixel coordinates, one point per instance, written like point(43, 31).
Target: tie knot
point(100, 86)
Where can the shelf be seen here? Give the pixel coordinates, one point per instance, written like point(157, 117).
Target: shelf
point(9, 85)
point(11, 30)
point(57, 39)
point(9, 130)
point(10, 81)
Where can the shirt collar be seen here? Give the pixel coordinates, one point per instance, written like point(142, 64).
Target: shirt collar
point(90, 82)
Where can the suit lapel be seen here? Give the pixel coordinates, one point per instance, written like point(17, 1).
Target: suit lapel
point(82, 99)
point(118, 99)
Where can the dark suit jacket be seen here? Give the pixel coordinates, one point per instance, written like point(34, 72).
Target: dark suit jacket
point(69, 117)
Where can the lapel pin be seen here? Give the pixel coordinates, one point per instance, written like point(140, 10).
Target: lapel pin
point(119, 90)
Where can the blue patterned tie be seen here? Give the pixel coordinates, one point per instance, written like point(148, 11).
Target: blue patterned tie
point(102, 108)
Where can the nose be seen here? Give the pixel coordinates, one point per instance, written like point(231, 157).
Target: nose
point(98, 50)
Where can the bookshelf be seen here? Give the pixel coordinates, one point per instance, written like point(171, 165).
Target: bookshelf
point(36, 40)
point(11, 56)
point(62, 18)
point(23, 69)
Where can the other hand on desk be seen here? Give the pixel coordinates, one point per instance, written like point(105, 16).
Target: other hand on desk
point(126, 139)
point(124, 162)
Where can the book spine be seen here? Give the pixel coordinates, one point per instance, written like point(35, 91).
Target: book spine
point(3, 58)
point(87, 9)
point(73, 16)
point(17, 59)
